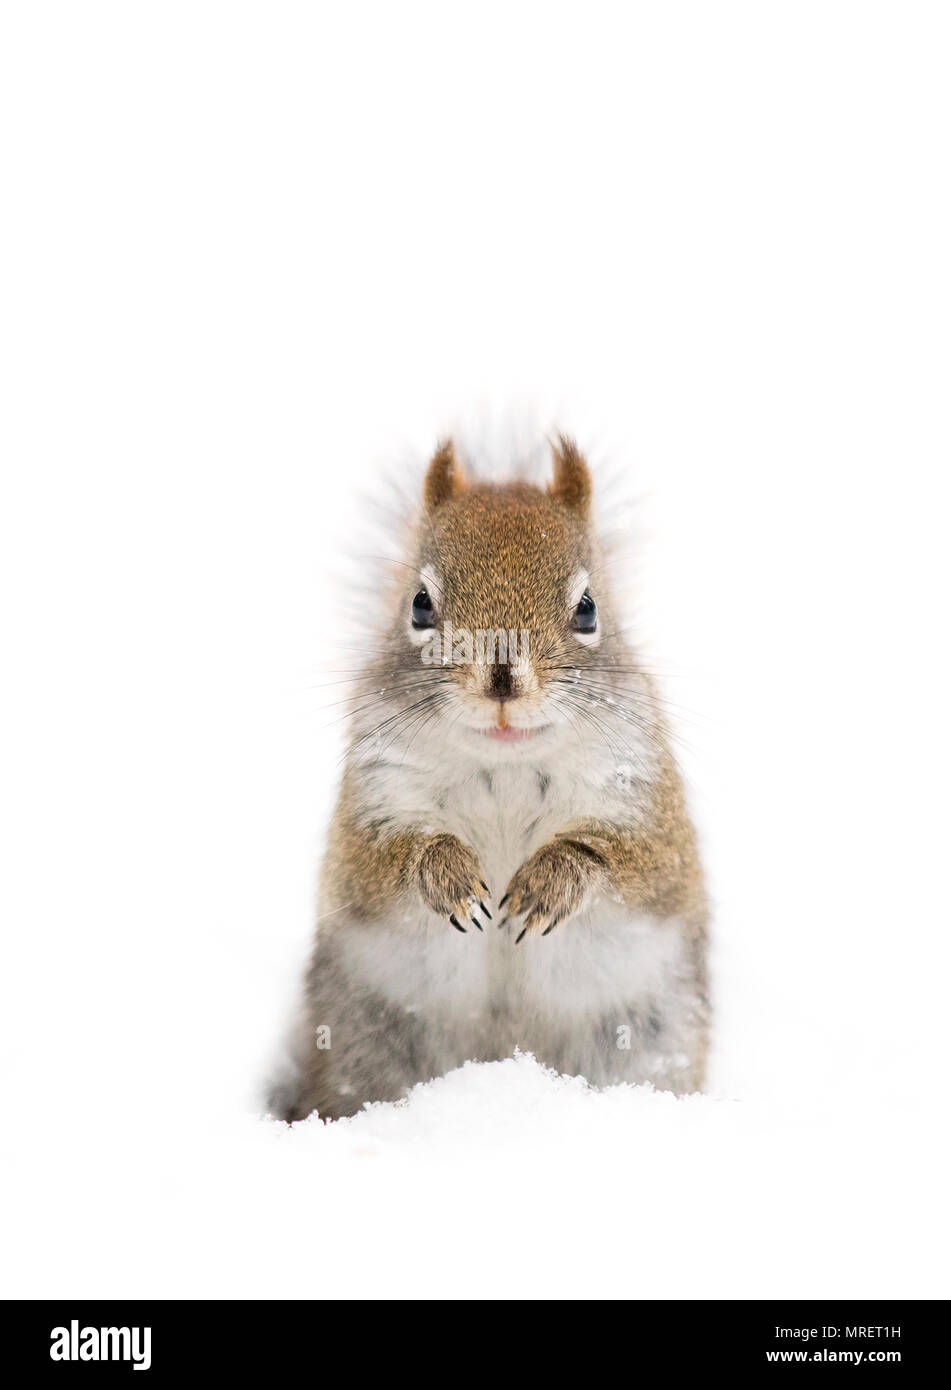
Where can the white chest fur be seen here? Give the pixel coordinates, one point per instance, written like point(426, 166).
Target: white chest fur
point(595, 964)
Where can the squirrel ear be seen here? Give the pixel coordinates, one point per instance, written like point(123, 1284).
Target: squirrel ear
point(443, 476)
point(571, 483)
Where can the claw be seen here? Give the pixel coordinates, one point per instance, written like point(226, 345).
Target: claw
point(503, 922)
point(505, 900)
point(458, 925)
point(485, 910)
point(475, 922)
point(485, 885)
point(551, 925)
point(520, 935)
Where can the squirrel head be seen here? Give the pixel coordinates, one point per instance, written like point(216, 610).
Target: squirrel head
point(508, 596)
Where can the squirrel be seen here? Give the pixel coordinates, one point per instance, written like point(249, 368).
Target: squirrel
point(508, 778)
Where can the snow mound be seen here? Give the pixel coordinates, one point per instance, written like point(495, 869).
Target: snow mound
point(625, 1192)
point(488, 1106)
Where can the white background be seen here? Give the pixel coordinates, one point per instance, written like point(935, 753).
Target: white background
point(255, 257)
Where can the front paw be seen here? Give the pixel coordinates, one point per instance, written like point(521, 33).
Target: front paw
point(450, 881)
point(555, 884)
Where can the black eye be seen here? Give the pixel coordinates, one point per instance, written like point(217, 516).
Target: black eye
point(422, 610)
point(586, 614)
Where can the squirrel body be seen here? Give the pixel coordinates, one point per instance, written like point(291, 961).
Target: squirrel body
point(510, 862)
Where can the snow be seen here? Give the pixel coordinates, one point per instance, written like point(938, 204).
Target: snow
point(498, 1180)
point(708, 241)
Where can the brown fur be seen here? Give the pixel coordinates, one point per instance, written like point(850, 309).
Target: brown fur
point(506, 556)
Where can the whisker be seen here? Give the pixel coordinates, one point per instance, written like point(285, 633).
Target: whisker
point(388, 560)
point(387, 690)
point(657, 732)
point(605, 735)
point(372, 704)
point(385, 723)
point(681, 711)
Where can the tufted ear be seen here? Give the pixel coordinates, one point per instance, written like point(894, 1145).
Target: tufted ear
point(443, 476)
point(571, 483)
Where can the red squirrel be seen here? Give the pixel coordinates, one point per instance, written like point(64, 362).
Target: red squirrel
point(510, 862)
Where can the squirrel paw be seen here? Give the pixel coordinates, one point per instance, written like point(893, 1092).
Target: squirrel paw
point(451, 883)
point(553, 885)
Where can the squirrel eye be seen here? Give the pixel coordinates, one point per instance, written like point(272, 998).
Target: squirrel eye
point(586, 614)
point(422, 610)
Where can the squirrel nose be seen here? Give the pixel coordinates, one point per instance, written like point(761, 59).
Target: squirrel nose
point(501, 686)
